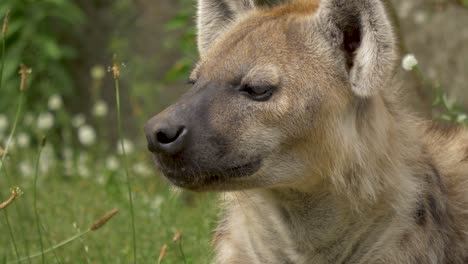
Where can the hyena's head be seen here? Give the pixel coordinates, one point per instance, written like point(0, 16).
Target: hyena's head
point(274, 93)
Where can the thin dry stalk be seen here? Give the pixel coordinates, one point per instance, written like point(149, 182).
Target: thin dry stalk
point(103, 219)
point(95, 226)
point(162, 254)
point(176, 237)
point(116, 68)
point(116, 71)
point(24, 72)
point(15, 192)
point(5, 24)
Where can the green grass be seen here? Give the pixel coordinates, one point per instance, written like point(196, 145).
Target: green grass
point(65, 200)
point(69, 186)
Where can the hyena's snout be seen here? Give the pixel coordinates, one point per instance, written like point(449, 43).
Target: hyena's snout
point(196, 146)
point(166, 137)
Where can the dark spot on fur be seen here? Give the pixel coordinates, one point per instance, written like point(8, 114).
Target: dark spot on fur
point(286, 260)
point(285, 215)
point(404, 239)
point(420, 215)
point(365, 115)
point(224, 9)
point(446, 129)
point(386, 46)
point(362, 108)
point(466, 154)
point(436, 175)
point(435, 209)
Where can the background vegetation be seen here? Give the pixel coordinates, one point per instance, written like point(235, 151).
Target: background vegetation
point(69, 98)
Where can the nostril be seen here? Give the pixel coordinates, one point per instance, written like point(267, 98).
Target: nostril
point(167, 136)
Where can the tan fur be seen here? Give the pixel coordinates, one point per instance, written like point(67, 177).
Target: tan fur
point(347, 175)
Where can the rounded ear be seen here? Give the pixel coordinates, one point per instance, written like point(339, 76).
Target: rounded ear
point(362, 32)
point(214, 16)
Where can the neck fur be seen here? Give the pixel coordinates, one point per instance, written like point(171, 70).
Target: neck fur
point(371, 184)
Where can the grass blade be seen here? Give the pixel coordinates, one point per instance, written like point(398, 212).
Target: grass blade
point(36, 212)
point(116, 72)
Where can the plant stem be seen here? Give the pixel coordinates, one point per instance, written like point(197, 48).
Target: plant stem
point(57, 259)
point(12, 235)
point(35, 199)
point(124, 158)
point(3, 62)
point(182, 250)
point(15, 124)
point(59, 245)
point(7, 219)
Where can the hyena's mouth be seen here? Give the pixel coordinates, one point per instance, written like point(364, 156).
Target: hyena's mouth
point(197, 178)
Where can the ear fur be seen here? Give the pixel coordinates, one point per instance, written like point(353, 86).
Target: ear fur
point(362, 32)
point(214, 16)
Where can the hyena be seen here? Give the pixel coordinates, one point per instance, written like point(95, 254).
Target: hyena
point(296, 116)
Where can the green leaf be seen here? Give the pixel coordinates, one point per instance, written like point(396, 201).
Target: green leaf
point(445, 117)
point(180, 69)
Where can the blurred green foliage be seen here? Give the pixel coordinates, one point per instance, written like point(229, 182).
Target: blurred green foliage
point(37, 36)
point(186, 43)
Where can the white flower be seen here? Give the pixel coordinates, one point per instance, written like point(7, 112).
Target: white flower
point(23, 140)
point(112, 163)
point(26, 169)
point(28, 119)
point(83, 171)
point(461, 118)
point(100, 109)
point(78, 120)
point(98, 72)
point(141, 169)
point(409, 62)
point(86, 135)
point(82, 165)
point(3, 122)
point(55, 102)
point(45, 121)
point(128, 145)
point(101, 180)
point(156, 202)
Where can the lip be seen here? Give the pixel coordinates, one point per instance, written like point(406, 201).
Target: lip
point(202, 178)
point(245, 169)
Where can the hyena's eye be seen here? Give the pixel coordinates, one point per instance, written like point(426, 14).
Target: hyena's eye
point(257, 93)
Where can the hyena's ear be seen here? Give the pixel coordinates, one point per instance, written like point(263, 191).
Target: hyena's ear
point(362, 32)
point(214, 16)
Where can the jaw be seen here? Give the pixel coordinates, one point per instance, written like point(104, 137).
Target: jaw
point(226, 178)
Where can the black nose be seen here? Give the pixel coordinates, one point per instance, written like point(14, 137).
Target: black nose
point(166, 139)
